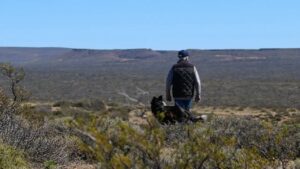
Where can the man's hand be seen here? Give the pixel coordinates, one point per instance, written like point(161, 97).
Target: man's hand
point(197, 99)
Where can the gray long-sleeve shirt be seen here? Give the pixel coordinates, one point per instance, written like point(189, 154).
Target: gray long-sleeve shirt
point(170, 80)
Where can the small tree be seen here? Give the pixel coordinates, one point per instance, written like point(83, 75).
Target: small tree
point(15, 76)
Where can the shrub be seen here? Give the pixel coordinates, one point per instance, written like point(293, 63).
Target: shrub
point(91, 104)
point(40, 144)
point(50, 164)
point(275, 143)
point(10, 158)
point(220, 143)
point(62, 104)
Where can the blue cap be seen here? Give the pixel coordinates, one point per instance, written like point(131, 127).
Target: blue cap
point(183, 53)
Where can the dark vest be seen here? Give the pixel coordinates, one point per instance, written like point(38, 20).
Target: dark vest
point(184, 79)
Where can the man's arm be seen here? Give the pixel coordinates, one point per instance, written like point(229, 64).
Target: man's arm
point(197, 86)
point(169, 84)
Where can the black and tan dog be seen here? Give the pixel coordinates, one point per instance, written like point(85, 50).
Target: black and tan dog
point(172, 114)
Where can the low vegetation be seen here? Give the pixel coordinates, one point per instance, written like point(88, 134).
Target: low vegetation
point(103, 135)
point(221, 143)
point(10, 158)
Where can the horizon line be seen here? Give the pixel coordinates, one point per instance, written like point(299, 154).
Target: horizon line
point(83, 48)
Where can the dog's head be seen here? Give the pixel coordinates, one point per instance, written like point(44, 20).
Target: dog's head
point(157, 104)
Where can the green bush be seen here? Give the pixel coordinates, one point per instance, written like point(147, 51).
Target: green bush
point(10, 158)
point(50, 164)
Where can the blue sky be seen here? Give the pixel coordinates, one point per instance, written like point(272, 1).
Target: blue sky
point(156, 24)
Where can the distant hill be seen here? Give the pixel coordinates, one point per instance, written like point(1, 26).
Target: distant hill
point(263, 77)
point(34, 56)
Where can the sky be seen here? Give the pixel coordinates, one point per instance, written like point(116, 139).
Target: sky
point(155, 24)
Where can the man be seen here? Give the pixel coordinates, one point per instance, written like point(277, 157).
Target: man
point(183, 80)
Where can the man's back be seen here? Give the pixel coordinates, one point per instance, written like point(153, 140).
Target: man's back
point(183, 80)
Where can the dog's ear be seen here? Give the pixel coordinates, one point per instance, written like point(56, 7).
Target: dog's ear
point(160, 97)
point(153, 99)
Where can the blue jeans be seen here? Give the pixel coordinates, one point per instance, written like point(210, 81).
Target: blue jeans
point(184, 103)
